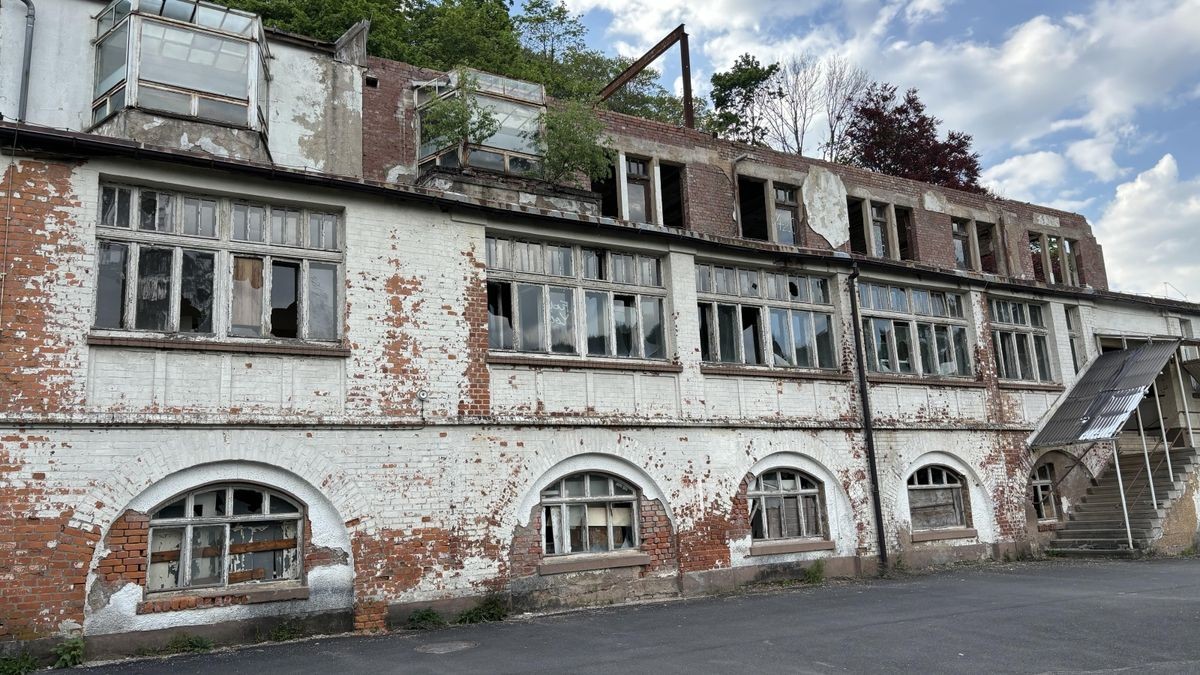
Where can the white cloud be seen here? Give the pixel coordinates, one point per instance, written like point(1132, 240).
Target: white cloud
point(1095, 155)
point(919, 11)
point(1151, 232)
point(1026, 177)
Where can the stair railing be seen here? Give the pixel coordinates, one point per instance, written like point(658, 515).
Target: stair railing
point(1166, 457)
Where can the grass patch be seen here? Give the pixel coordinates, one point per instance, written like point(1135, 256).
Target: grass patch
point(69, 653)
point(491, 608)
point(285, 631)
point(18, 664)
point(182, 643)
point(425, 619)
point(814, 573)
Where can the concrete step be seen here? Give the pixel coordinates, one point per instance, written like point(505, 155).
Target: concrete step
point(1093, 553)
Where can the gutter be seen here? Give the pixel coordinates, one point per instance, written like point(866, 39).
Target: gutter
point(867, 421)
point(30, 18)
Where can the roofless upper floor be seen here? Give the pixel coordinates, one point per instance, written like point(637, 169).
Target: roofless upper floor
point(202, 78)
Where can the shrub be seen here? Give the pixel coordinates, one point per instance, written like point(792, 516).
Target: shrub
point(18, 664)
point(425, 619)
point(69, 653)
point(491, 608)
point(814, 573)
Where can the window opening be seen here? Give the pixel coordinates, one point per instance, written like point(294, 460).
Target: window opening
point(858, 232)
point(914, 331)
point(1020, 341)
point(1041, 487)
point(752, 208)
point(786, 504)
point(935, 499)
point(589, 513)
point(637, 190)
point(787, 220)
point(671, 177)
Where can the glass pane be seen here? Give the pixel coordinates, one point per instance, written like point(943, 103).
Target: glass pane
point(933, 508)
point(527, 257)
point(811, 516)
point(598, 486)
point(110, 60)
point(249, 222)
point(196, 293)
point(518, 125)
point(1035, 317)
point(190, 59)
point(927, 347)
point(653, 338)
point(285, 227)
point(176, 509)
point(785, 226)
point(166, 101)
point(823, 327)
point(944, 350)
point(110, 291)
point(285, 304)
point(921, 302)
point(282, 505)
point(322, 233)
point(562, 320)
point(882, 332)
point(322, 301)
point(1024, 357)
point(165, 545)
point(620, 487)
point(553, 523)
point(247, 297)
point(530, 318)
point(820, 290)
point(707, 324)
point(962, 351)
point(625, 325)
point(802, 346)
point(623, 533)
point(222, 111)
point(904, 362)
point(597, 520)
point(154, 288)
point(559, 261)
point(247, 501)
point(728, 332)
point(651, 274)
point(209, 504)
point(724, 281)
point(114, 207)
point(1043, 357)
point(593, 264)
point(954, 305)
point(748, 283)
point(899, 300)
point(576, 532)
point(781, 352)
point(597, 309)
point(624, 269)
point(752, 335)
point(703, 278)
point(574, 485)
point(208, 548)
point(939, 304)
point(500, 315)
point(787, 481)
point(637, 191)
point(154, 211)
point(263, 551)
point(199, 217)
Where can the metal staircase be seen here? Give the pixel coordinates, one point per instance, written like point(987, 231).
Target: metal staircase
point(1096, 525)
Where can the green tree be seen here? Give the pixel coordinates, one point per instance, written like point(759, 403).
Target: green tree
point(549, 30)
point(572, 142)
point(459, 118)
point(740, 97)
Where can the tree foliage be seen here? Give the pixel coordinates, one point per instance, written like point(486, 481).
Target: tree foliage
point(741, 96)
point(899, 138)
point(572, 142)
point(459, 119)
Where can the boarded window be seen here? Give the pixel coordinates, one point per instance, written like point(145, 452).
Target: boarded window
point(935, 499)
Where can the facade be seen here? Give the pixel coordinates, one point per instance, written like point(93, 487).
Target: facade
point(267, 356)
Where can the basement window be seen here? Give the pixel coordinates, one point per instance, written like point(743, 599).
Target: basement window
point(224, 535)
point(786, 504)
point(752, 208)
point(589, 513)
point(161, 266)
point(936, 499)
point(1041, 492)
point(184, 58)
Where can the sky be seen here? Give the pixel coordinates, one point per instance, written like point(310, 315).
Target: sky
point(1087, 106)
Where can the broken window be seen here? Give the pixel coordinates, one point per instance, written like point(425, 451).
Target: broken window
point(606, 188)
point(871, 229)
point(745, 312)
point(1020, 341)
point(1036, 258)
point(671, 178)
point(858, 227)
point(209, 70)
point(904, 233)
point(752, 208)
point(222, 536)
point(787, 219)
point(179, 247)
point(880, 239)
point(589, 513)
point(1041, 492)
point(621, 296)
point(936, 499)
point(638, 203)
point(914, 331)
point(786, 504)
point(989, 247)
point(1075, 336)
point(961, 238)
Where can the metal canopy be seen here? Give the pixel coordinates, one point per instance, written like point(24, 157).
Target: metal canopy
point(1108, 393)
point(1192, 368)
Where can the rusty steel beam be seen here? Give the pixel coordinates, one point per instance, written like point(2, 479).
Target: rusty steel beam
point(678, 35)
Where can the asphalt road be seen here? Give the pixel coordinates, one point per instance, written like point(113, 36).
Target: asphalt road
point(1060, 617)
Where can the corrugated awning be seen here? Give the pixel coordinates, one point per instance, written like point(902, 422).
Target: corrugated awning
point(1103, 399)
point(1193, 369)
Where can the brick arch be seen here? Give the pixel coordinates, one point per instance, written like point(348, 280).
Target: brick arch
point(839, 511)
point(592, 461)
point(979, 493)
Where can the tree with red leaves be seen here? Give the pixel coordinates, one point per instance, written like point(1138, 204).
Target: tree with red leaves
point(899, 139)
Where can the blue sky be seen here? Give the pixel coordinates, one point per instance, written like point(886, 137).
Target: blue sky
point(1088, 106)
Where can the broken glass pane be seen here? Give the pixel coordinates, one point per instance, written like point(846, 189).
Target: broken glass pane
point(500, 315)
point(163, 571)
point(209, 504)
point(263, 551)
point(110, 294)
point(208, 548)
point(247, 502)
point(154, 288)
point(281, 505)
point(114, 207)
point(154, 211)
point(285, 305)
point(247, 297)
point(623, 526)
point(196, 295)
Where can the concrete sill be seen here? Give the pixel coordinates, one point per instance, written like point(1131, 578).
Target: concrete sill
point(583, 364)
point(790, 546)
point(937, 535)
point(777, 373)
point(195, 345)
point(1029, 386)
point(924, 381)
point(602, 561)
point(242, 596)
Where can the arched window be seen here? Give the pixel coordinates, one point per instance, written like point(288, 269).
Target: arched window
point(1041, 492)
point(935, 498)
point(785, 504)
point(589, 513)
point(222, 535)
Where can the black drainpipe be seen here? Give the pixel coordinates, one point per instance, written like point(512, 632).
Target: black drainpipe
point(868, 429)
point(29, 19)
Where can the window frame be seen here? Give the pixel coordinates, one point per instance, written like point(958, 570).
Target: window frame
point(1044, 247)
point(1008, 333)
point(225, 251)
point(955, 321)
point(1042, 493)
point(710, 301)
point(563, 502)
point(960, 499)
point(187, 522)
point(125, 93)
point(501, 269)
point(757, 494)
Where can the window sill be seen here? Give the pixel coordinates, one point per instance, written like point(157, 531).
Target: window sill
point(790, 546)
point(336, 350)
point(584, 563)
point(925, 381)
point(1029, 386)
point(171, 601)
point(949, 533)
point(582, 363)
point(777, 373)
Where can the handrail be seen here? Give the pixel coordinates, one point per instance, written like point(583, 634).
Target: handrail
point(1154, 470)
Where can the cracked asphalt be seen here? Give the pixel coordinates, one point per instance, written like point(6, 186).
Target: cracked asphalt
point(1039, 617)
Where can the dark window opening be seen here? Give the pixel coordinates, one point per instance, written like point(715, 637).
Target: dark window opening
point(752, 205)
point(752, 336)
point(989, 251)
point(904, 233)
point(672, 195)
point(285, 317)
point(960, 231)
point(606, 188)
point(500, 315)
point(858, 233)
point(1035, 256)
